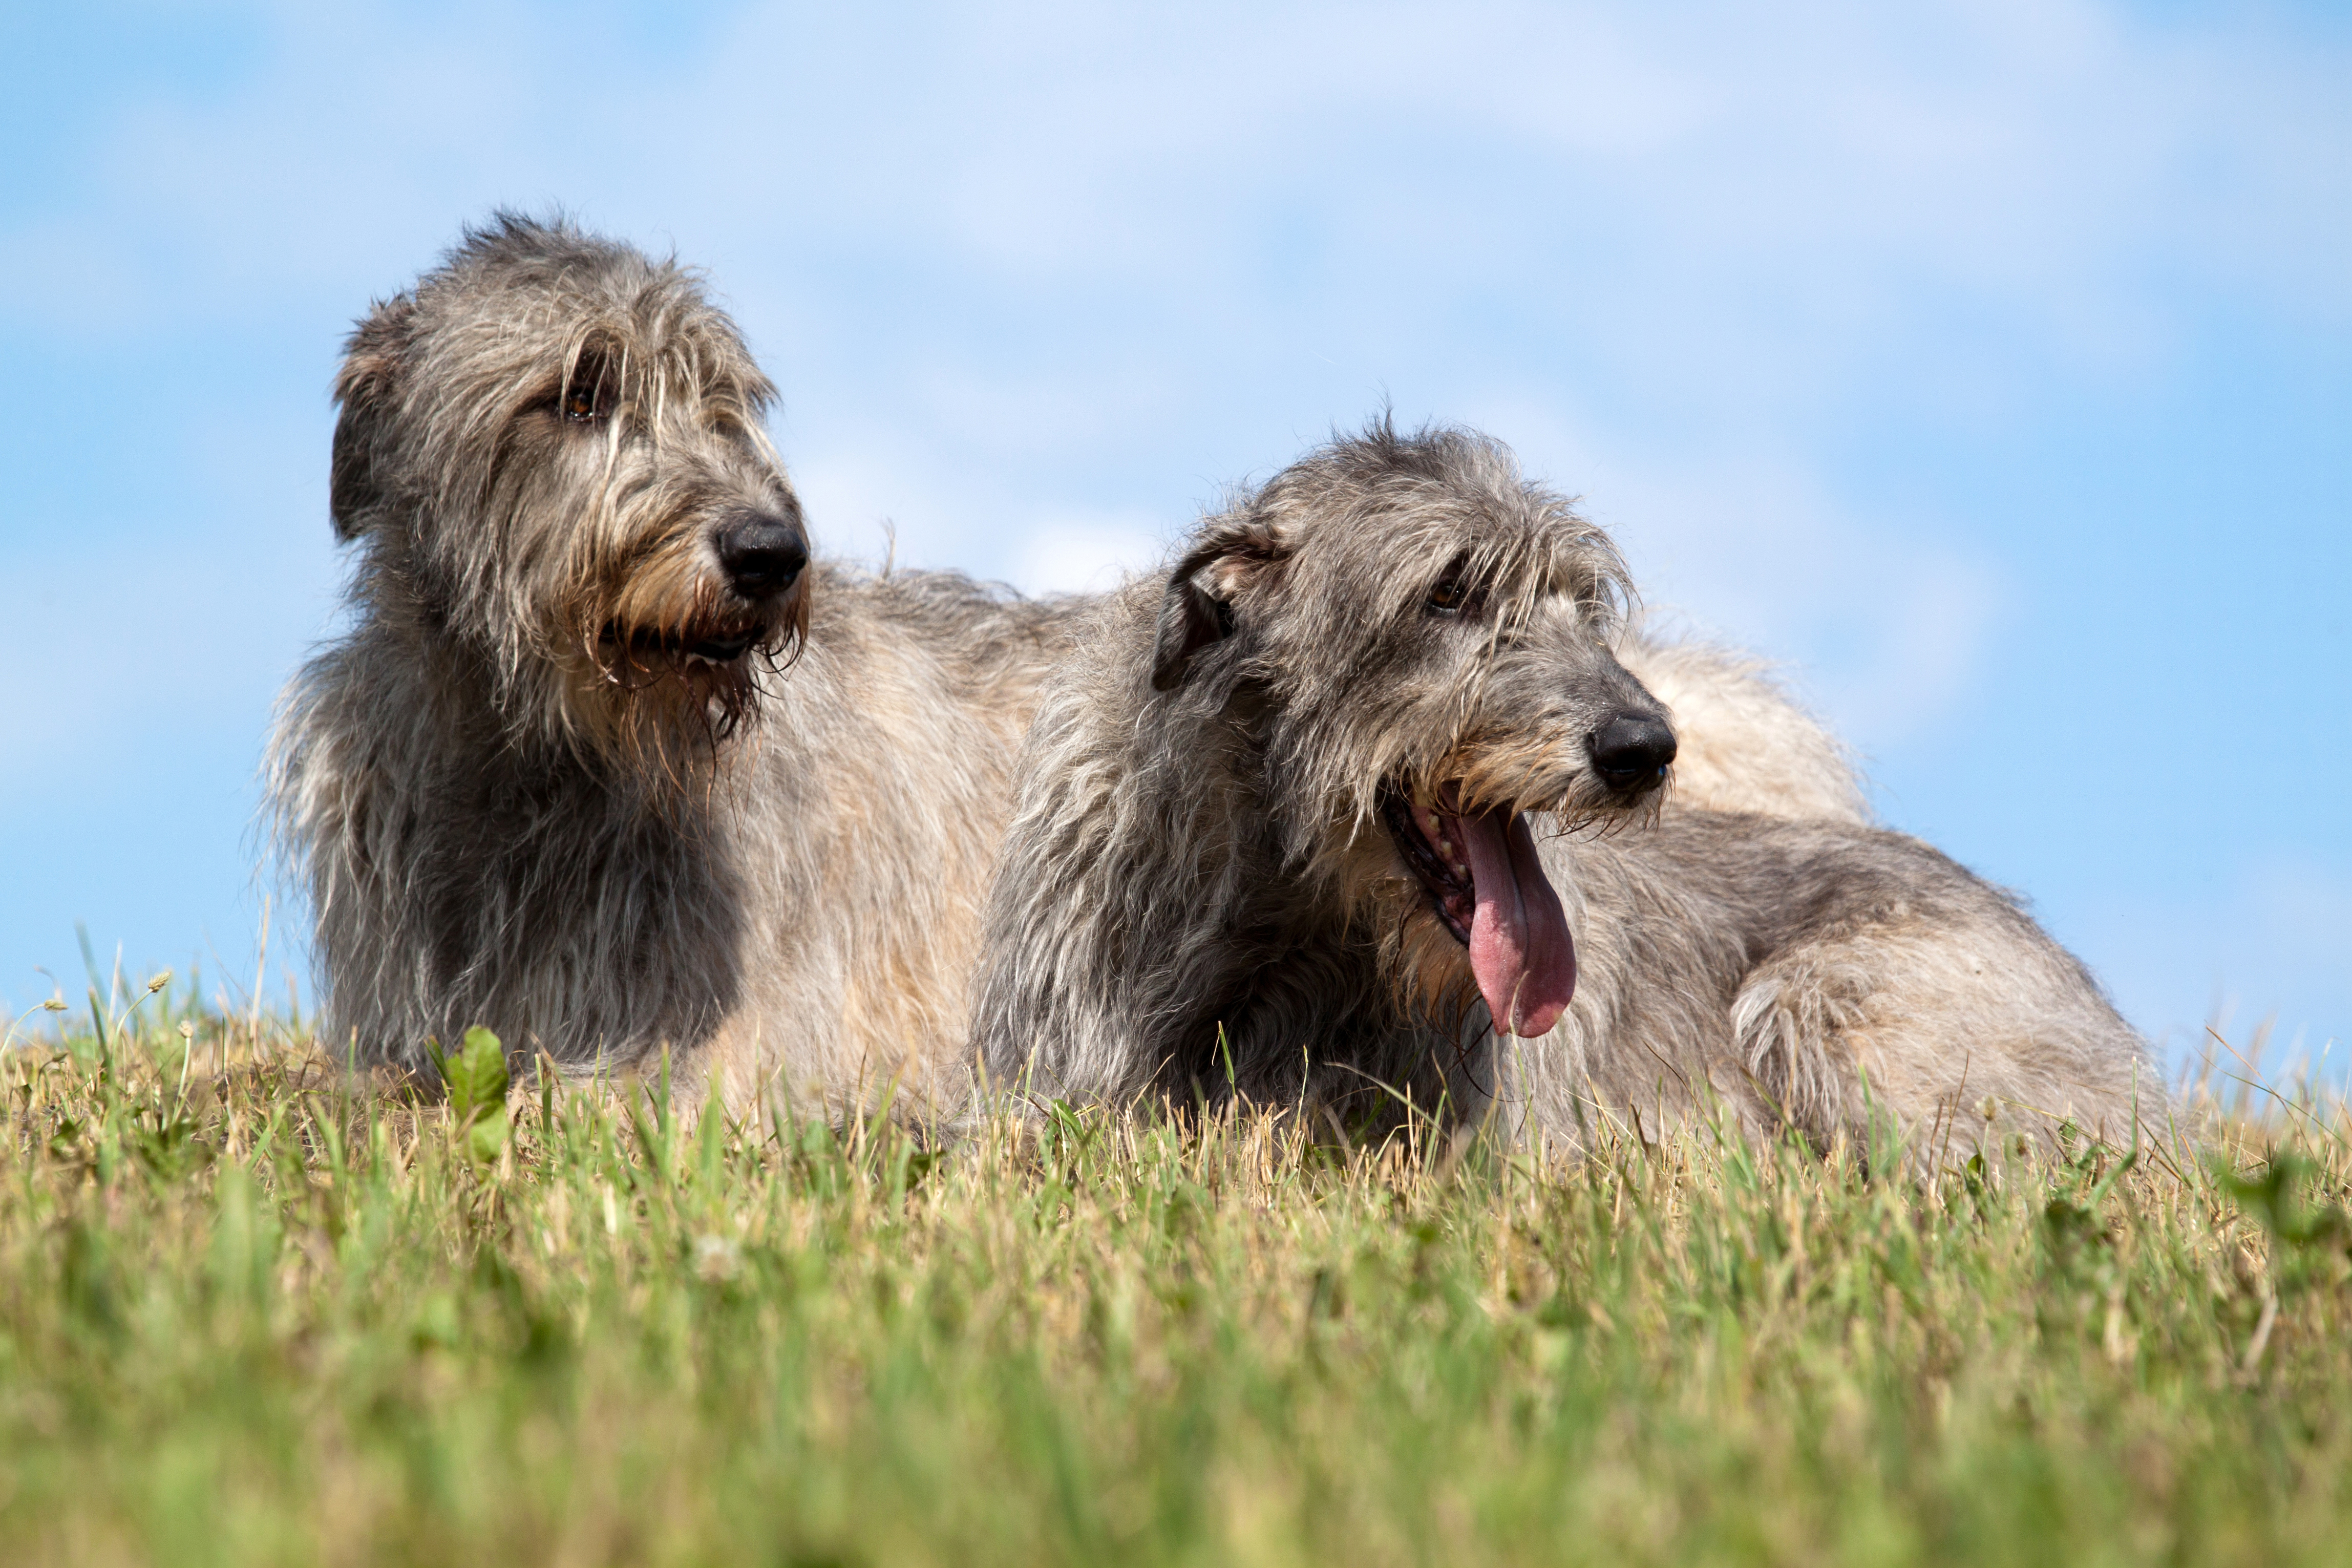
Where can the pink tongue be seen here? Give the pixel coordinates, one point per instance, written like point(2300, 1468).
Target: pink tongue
point(1519, 946)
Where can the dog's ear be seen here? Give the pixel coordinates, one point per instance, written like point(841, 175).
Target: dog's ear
point(1199, 608)
point(366, 389)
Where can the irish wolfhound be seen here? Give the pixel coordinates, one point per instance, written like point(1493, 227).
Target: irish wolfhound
point(1278, 834)
point(604, 763)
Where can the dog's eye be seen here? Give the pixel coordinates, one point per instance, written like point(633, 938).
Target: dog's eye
point(1450, 597)
point(587, 394)
point(583, 401)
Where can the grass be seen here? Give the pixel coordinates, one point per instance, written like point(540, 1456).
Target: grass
point(251, 1313)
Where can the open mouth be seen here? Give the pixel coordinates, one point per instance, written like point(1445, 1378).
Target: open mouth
point(705, 647)
point(1487, 887)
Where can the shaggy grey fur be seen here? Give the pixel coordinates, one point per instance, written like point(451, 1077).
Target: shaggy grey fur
point(1234, 866)
point(603, 763)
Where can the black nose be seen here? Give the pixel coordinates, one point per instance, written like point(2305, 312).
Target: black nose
point(762, 555)
point(1632, 750)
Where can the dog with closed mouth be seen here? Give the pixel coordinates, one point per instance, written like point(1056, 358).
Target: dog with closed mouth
point(607, 761)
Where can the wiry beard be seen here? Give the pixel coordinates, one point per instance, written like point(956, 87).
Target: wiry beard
point(663, 707)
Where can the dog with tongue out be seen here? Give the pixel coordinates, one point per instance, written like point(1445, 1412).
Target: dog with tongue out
point(1327, 813)
point(1277, 825)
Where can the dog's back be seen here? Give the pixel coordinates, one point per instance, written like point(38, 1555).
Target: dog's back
point(869, 822)
point(1815, 974)
point(1745, 744)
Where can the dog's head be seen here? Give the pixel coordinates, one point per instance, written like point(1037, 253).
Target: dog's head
point(1418, 642)
point(552, 451)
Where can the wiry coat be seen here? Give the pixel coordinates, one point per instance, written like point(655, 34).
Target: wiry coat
point(1214, 883)
point(578, 774)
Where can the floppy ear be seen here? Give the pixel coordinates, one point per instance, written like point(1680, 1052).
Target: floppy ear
point(1199, 608)
point(366, 388)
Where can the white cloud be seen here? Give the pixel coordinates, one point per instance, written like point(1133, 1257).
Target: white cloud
point(1086, 554)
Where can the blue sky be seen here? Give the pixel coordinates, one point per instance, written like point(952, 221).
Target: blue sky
point(1990, 364)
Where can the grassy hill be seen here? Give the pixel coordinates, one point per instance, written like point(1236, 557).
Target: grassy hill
point(251, 1313)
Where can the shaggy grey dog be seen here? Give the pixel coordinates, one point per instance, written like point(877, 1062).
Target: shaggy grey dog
point(604, 763)
point(1290, 824)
